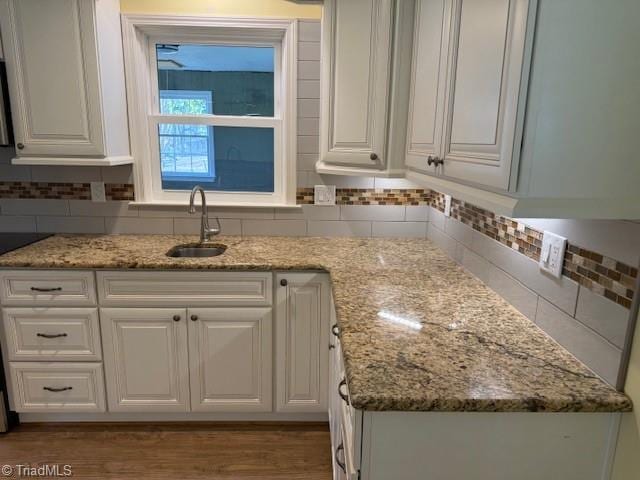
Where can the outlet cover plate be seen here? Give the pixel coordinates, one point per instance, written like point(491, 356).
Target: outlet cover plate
point(97, 192)
point(324, 194)
point(552, 254)
point(447, 205)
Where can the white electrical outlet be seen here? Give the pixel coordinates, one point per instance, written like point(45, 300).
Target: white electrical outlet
point(552, 254)
point(324, 194)
point(97, 192)
point(447, 205)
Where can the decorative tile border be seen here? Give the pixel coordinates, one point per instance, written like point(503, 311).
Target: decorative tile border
point(602, 275)
point(371, 196)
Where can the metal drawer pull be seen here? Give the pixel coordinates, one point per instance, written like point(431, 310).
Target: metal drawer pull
point(52, 389)
point(343, 396)
point(338, 462)
point(335, 330)
point(48, 335)
point(38, 289)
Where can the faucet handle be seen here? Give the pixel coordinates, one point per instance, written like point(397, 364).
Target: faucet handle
point(217, 229)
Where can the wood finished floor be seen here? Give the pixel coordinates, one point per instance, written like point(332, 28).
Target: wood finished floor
point(175, 451)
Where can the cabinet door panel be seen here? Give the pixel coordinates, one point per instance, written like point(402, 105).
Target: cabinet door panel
point(486, 58)
point(230, 359)
point(302, 342)
point(428, 77)
point(51, 57)
point(145, 358)
point(355, 81)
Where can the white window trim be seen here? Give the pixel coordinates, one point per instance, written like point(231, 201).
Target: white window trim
point(140, 31)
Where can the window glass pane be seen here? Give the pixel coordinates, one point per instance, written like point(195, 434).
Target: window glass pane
point(238, 80)
point(230, 159)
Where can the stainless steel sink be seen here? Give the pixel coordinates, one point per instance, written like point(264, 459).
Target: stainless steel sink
point(197, 250)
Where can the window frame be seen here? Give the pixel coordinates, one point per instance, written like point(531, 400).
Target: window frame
point(141, 33)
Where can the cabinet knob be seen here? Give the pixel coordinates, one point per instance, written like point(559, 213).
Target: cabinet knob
point(194, 318)
point(284, 282)
point(373, 156)
point(20, 146)
point(176, 318)
point(431, 160)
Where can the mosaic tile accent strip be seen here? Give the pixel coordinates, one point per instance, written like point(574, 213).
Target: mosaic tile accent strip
point(602, 275)
point(371, 196)
point(63, 191)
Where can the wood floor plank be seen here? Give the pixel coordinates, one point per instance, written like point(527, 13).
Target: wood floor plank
point(175, 451)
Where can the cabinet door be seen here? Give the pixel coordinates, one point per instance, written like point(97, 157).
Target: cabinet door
point(302, 342)
point(145, 359)
point(230, 359)
point(487, 63)
point(52, 66)
point(356, 56)
point(428, 82)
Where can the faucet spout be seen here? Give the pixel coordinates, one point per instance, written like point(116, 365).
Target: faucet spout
point(205, 231)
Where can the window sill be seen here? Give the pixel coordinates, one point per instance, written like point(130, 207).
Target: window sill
point(215, 205)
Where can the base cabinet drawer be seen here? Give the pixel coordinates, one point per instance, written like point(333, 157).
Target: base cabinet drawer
point(177, 289)
point(58, 387)
point(29, 288)
point(52, 334)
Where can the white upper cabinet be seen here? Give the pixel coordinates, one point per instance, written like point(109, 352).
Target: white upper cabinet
point(468, 59)
point(356, 66)
point(66, 81)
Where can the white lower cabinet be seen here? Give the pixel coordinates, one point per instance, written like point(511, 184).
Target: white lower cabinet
point(230, 359)
point(145, 358)
point(302, 329)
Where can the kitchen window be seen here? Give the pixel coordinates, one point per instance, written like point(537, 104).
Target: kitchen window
point(212, 103)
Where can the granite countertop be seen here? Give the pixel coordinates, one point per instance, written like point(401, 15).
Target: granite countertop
point(419, 333)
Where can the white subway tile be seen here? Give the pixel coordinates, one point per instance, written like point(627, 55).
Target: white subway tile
point(523, 299)
point(117, 174)
point(308, 144)
point(395, 183)
point(340, 181)
point(437, 218)
point(293, 228)
point(477, 265)
point(309, 212)
point(307, 162)
point(308, 88)
point(301, 178)
point(149, 226)
point(309, 31)
point(309, 51)
point(308, 108)
point(309, 126)
point(458, 230)
point(417, 213)
point(604, 316)
point(562, 292)
point(242, 212)
point(191, 226)
point(400, 229)
point(593, 350)
point(308, 70)
point(87, 208)
point(17, 223)
point(158, 211)
point(52, 224)
point(445, 242)
point(65, 174)
point(33, 206)
point(380, 213)
point(339, 229)
point(15, 173)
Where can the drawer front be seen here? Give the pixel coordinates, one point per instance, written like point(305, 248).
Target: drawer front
point(47, 288)
point(180, 289)
point(58, 387)
point(52, 334)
